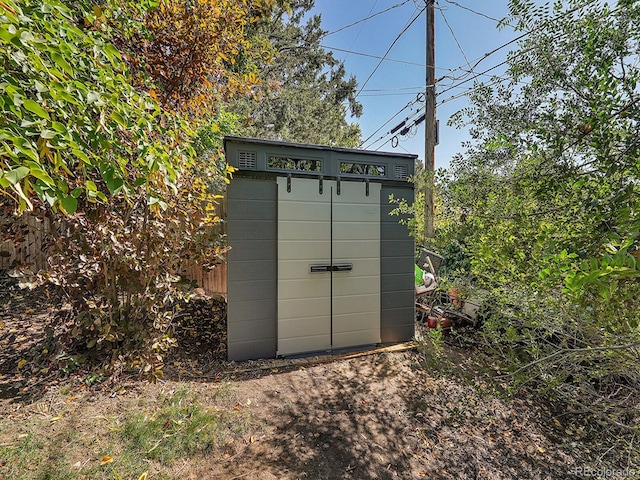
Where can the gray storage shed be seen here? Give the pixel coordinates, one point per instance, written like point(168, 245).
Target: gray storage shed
point(316, 262)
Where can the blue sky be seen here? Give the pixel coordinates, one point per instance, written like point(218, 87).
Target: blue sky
point(462, 37)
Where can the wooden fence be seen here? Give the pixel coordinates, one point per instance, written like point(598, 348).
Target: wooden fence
point(29, 250)
point(213, 282)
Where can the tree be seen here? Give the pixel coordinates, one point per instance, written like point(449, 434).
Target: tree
point(305, 96)
point(547, 198)
point(73, 125)
point(115, 146)
point(190, 55)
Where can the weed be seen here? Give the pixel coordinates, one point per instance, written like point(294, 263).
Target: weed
point(148, 433)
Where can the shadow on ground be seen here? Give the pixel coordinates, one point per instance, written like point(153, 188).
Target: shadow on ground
point(383, 417)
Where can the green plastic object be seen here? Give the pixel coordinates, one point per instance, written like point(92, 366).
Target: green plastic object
point(419, 272)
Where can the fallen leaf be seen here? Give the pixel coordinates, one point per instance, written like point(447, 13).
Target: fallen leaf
point(21, 364)
point(58, 417)
point(77, 465)
point(143, 476)
point(106, 459)
point(542, 450)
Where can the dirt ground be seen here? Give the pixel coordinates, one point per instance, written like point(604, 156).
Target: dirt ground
point(382, 416)
point(385, 415)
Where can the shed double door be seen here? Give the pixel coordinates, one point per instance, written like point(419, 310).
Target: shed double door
point(328, 264)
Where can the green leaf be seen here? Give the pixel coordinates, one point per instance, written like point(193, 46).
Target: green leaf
point(114, 185)
point(63, 64)
point(70, 204)
point(14, 176)
point(81, 155)
point(40, 174)
point(6, 36)
point(119, 118)
point(34, 107)
point(112, 53)
point(59, 127)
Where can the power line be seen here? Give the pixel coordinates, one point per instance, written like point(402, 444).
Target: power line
point(473, 11)
point(367, 18)
point(419, 99)
point(520, 53)
point(353, 42)
point(462, 79)
point(375, 56)
point(400, 127)
point(455, 38)
point(406, 27)
point(421, 109)
point(422, 65)
point(389, 94)
point(506, 44)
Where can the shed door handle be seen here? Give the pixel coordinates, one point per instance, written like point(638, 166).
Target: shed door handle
point(320, 268)
point(343, 267)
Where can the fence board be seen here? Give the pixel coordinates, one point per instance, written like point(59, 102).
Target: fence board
point(30, 252)
point(27, 251)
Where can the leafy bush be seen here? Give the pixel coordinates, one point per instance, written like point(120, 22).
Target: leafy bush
point(546, 198)
point(124, 163)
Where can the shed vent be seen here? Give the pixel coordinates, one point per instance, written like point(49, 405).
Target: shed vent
point(402, 172)
point(247, 160)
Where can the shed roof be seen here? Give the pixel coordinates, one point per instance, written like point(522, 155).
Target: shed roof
point(276, 143)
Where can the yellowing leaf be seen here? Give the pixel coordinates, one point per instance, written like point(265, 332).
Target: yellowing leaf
point(143, 476)
point(21, 364)
point(106, 459)
point(58, 417)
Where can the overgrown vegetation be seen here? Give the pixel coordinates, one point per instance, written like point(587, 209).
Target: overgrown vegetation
point(114, 118)
point(150, 435)
point(542, 210)
point(121, 151)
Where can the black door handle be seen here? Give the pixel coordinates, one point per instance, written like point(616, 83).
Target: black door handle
point(343, 267)
point(320, 268)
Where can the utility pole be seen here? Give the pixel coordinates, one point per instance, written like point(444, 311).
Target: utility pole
point(430, 123)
